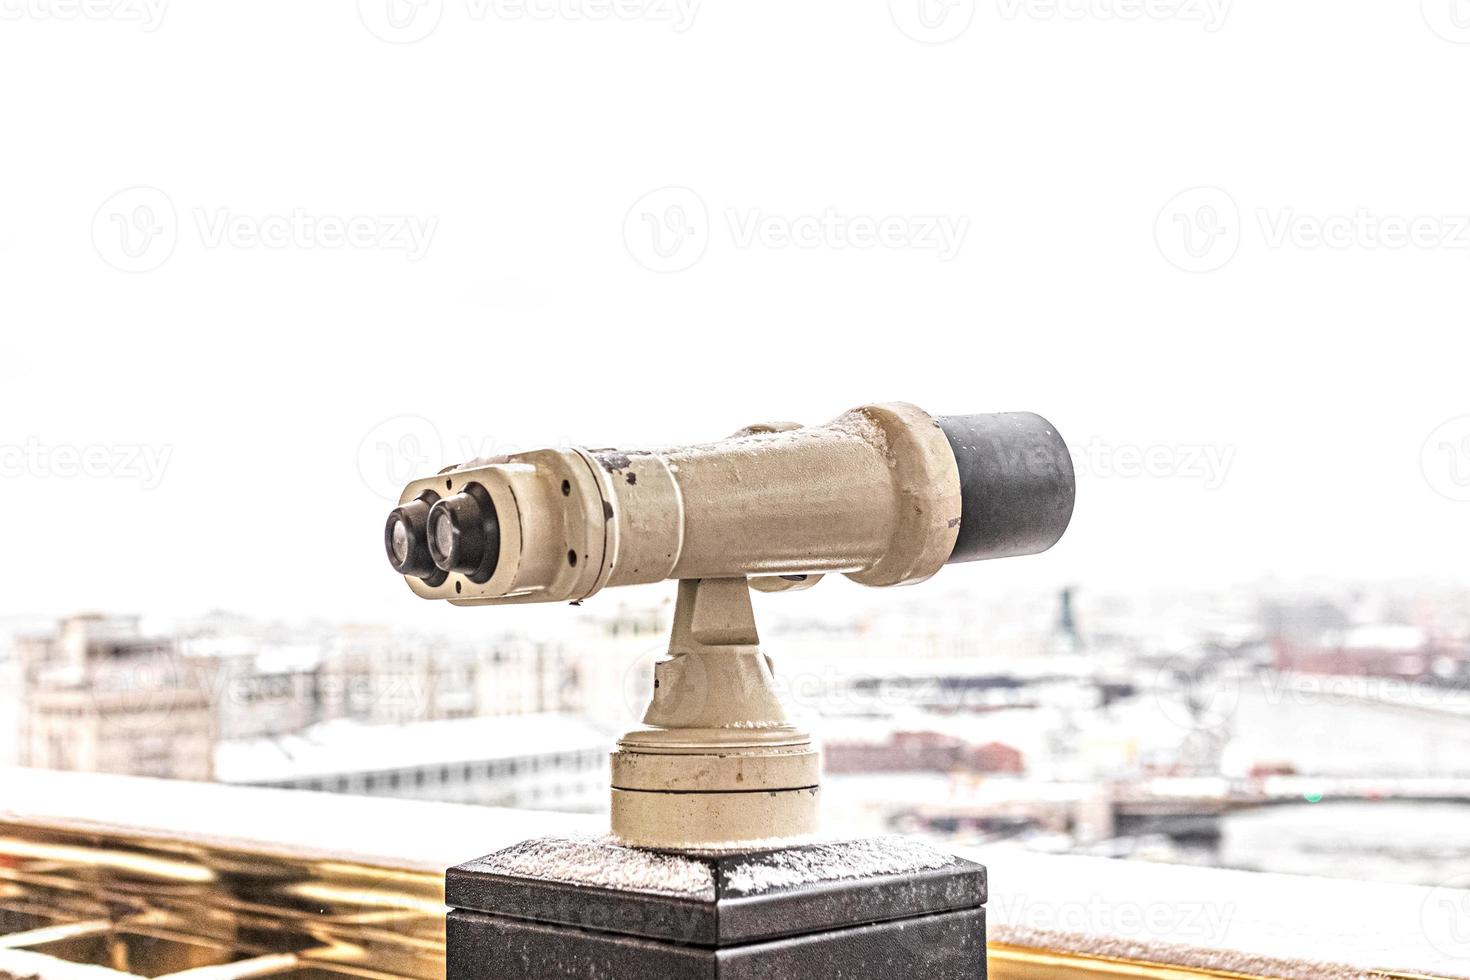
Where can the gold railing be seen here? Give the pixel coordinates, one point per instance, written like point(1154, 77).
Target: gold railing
point(290, 885)
point(159, 908)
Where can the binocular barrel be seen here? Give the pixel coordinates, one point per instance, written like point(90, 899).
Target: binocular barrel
point(885, 494)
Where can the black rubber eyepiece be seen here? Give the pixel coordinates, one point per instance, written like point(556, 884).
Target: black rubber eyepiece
point(464, 534)
point(1017, 485)
point(406, 538)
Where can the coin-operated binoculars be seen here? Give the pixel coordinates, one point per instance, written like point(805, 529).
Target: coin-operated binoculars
point(713, 868)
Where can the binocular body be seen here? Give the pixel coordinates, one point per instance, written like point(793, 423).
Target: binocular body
point(885, 494)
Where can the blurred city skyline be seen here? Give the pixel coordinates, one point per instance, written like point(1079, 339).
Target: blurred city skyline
point(1222, 728)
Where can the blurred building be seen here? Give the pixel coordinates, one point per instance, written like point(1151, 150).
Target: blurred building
point(540, 761)
point(271, 679)
point(1297, 617)
point(918, 751)
point(614, 658)
point(1396, 651)
point(99, 696)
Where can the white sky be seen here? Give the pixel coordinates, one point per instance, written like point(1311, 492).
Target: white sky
point(1318, 373)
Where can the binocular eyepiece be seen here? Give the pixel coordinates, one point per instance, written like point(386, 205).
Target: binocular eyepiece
point(885, 494)
point(431, 536)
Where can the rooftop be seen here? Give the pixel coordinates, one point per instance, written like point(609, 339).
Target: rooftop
point(344, 746)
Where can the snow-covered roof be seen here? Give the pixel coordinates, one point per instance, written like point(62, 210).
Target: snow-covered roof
point(1017, 727)
point(343, 747)
point(1404, 639)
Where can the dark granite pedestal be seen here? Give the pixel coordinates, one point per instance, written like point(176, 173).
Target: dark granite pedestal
point(559, 909)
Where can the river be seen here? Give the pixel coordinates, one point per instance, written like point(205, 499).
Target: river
point(1408, 842)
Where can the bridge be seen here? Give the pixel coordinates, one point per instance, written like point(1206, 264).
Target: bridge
point(1175, 805)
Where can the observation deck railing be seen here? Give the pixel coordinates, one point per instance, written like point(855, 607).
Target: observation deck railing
point(110, 877)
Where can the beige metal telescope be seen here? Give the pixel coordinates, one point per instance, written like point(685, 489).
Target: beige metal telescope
point(885, 494)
